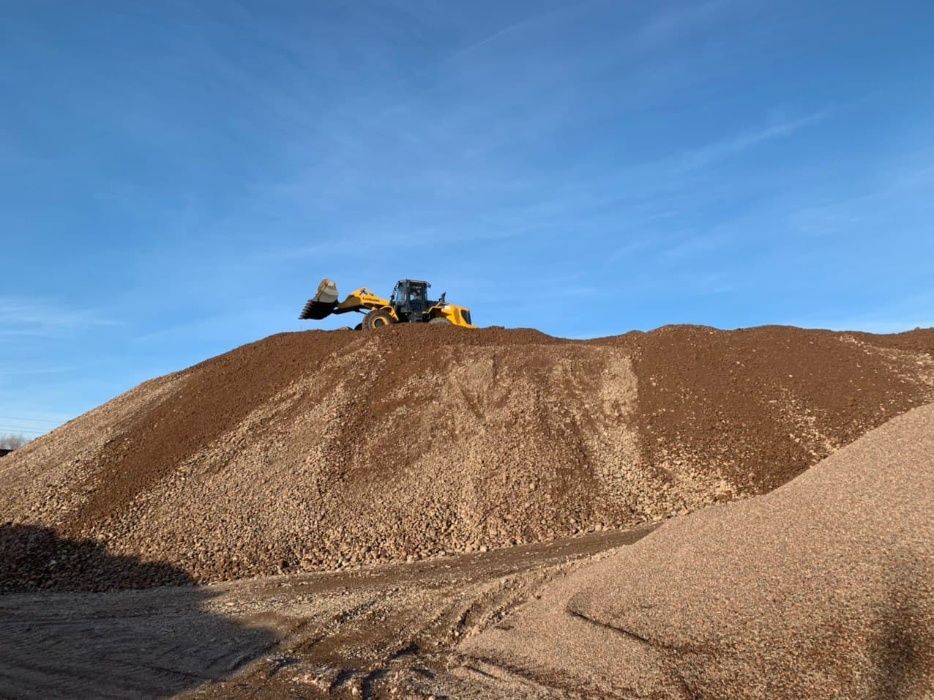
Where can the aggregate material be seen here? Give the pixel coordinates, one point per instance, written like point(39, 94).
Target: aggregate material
point(823, 588)
point(319, 451)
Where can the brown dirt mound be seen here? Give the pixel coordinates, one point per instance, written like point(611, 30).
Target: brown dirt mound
point(319, 450)
point(822, 589)
point(761, 405)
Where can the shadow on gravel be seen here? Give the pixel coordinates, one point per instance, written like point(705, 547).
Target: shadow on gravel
point(61, 635)
point(36, 559)
point(900, 642)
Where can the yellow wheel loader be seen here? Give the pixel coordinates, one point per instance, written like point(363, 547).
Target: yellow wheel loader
point(409, 303)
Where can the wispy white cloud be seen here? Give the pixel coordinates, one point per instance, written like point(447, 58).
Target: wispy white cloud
point(671, 24)
point(25, 370)
point(501, 33)
point(452, 134)
point(885, 194)
point(894, 316)
point(734, 145)
point(30, 317)
point(868, 325)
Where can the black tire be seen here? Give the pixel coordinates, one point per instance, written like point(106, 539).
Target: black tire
point(438, 320)
point(377, 318)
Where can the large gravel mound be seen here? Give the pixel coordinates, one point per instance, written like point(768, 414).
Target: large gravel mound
point(823, 588)
point(317, 450)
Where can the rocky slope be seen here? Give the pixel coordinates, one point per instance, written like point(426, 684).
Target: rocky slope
point(322, 450)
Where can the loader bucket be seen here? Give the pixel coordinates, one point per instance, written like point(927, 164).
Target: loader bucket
point(322, 304)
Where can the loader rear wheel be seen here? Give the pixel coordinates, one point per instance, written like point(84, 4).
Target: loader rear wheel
point(438, 320)
point(378, 318)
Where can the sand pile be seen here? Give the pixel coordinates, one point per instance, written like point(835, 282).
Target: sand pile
point(318, 450)
point(823, 588)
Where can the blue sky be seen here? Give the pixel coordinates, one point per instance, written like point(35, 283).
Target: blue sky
point(177, 176)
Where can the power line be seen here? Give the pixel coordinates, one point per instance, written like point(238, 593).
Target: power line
point(8, 429)
point(30, 420)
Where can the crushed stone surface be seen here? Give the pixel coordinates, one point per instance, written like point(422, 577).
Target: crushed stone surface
point(823, 588)
point(331, 450)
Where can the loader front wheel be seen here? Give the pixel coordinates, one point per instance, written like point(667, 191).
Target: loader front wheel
point(378, 318)
point(439, 320)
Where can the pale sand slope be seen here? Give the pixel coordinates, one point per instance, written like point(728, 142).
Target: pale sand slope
point(822, 588)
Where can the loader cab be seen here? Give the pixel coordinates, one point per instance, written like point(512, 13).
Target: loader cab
point(410, 299)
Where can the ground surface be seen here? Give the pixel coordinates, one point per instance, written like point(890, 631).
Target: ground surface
point(371, 632)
